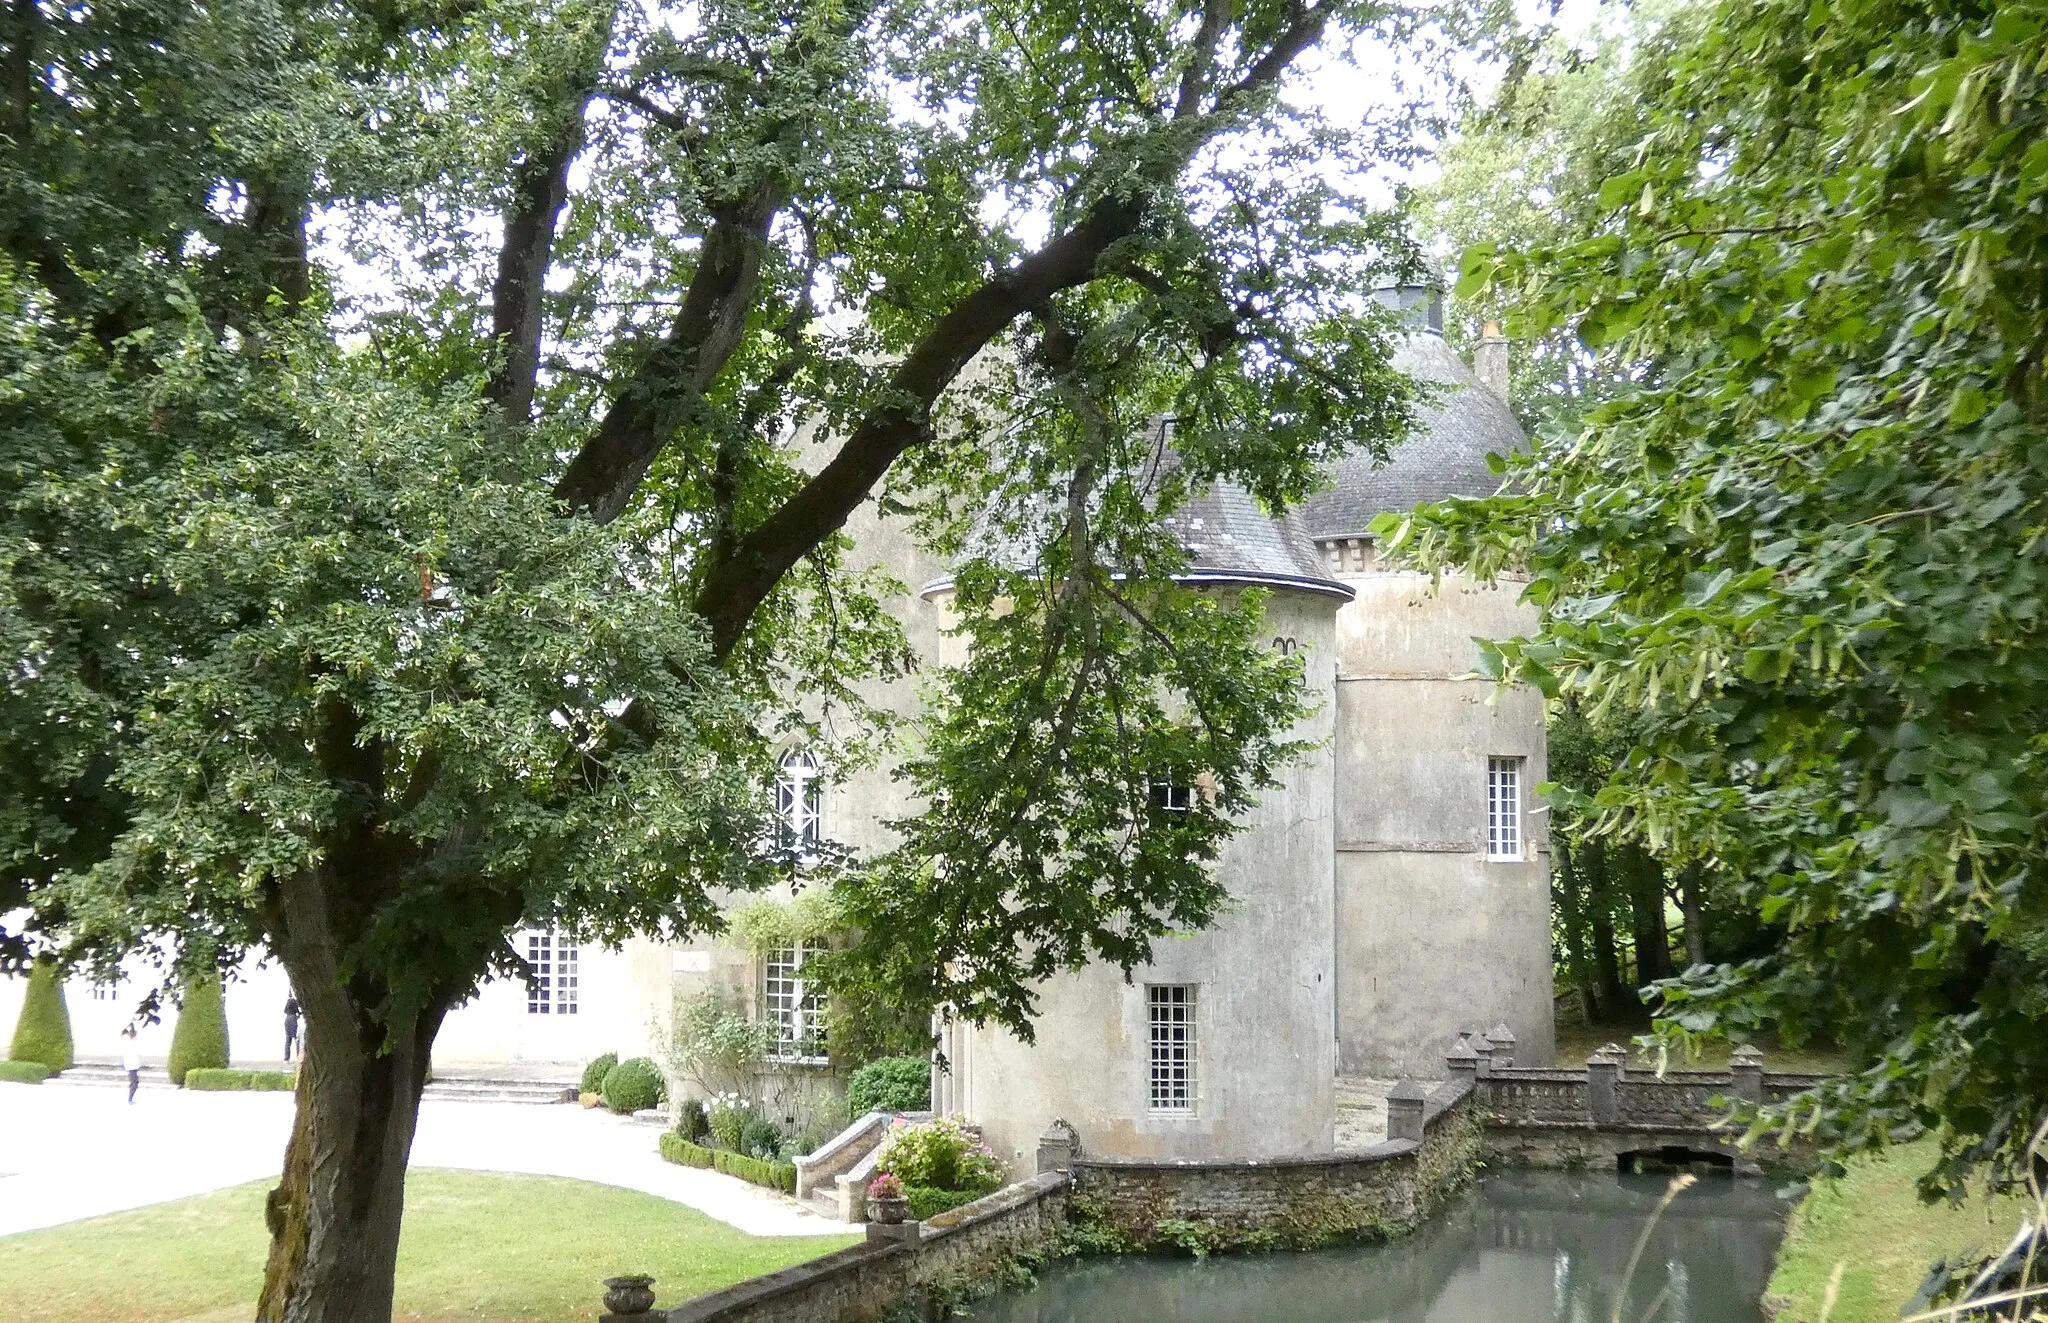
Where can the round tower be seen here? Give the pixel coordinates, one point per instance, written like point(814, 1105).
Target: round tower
point(1224, 1045)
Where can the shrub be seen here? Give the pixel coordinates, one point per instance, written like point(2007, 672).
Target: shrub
point(893, 1084)
point(939, 1153)
point(715, 1045)
point(633, 1085)
point(24, 1072)
point(215, 1079)
point(43, 1033)
point(201, 1036)
point(927, 1203)
point(728, 1117)
point(691, 1123)
point(760, 1138)
point(594, 1073)
point(774, 1175)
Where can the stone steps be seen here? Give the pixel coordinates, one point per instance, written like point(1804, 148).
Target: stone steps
point(101, 1074)
point(465, 1088)
point(484, 1089)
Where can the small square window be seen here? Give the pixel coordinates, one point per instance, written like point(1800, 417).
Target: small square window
point(1504, 809)
point(1170, 798)
point(1170, 1011)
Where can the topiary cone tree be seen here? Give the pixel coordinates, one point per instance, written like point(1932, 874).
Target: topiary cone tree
point(200, 1038)
point(43, 1033)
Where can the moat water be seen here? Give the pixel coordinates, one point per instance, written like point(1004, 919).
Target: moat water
point(1521, 1247)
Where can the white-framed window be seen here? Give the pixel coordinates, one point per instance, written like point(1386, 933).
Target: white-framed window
point(799, 802)
point(1170, 1015)
point(793, 1007)
point(106, 991)
point(1504, 808)
point(1169, 797)
point(553, 989)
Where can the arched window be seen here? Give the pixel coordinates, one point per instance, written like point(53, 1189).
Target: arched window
point(799, 802)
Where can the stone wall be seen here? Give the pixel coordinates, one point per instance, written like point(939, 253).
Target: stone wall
point(933, 1264)
point(1287, 1202)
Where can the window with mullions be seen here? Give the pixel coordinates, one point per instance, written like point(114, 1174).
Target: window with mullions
point(554, 986)
point(799, 803)
point(1170, 1010)
point(1168, 797)
point(1504, 808)
point(793, 1007)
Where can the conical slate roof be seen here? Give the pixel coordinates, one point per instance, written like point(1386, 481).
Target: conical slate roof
point(1228, 538)
point(1223, 528)
point(1443, 456)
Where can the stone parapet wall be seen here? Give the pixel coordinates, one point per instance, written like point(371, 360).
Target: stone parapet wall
point(932, 1264)
point(1288, 1202)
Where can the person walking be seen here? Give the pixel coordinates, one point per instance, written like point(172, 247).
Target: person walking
point(291, 1025)
point(131, 1061)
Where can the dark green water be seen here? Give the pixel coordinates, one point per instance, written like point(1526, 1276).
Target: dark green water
point(1523, 1247)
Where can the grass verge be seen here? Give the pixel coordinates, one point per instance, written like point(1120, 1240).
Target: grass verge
point(478, 1246)
point(1872, 1223)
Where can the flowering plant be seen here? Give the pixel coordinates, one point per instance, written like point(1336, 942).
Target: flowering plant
point(885, 1186)
point(941, 1153)
point(727, 1115)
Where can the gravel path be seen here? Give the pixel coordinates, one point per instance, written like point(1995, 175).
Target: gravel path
point(71, 1151)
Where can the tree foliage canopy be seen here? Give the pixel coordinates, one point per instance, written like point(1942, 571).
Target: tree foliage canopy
point(427, 429)
point(1802, 546)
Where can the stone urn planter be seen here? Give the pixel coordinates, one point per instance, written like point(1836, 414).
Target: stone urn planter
point(628, 1295)
point(887, 1209)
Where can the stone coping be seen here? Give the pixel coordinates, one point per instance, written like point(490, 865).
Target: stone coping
point(1444, 1099)
point(783, 1281)
point(839, 1143)
point(1383, 1152)
point(802, 1276)
point(1688, 1132)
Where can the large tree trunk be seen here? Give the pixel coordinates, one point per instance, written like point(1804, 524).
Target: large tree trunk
point(334, 1216)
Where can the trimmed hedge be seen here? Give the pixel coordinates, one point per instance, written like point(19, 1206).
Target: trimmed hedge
point(200, 1039)
point(43, 1033)
point(775, 1175)
point(594, 1073)
point(928, 1202)
point(24, 1072)
point(633, 1086)
point(221, 1080)
point(892, 1084)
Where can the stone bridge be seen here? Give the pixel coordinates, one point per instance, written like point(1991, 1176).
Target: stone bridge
point(1603, 1113)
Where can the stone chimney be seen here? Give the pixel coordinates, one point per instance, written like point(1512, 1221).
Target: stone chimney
point(1490, 359)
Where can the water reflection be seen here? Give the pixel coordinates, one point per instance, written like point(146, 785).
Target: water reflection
point(1523, 1247)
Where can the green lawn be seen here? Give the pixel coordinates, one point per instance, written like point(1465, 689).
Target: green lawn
point(1576, 1042)
point(1885, 1238)
point(478, 1246)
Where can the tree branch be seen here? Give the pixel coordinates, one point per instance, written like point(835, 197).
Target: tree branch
point(672, 379)
point(540, 188)
point(737, 585)
point(1194, 81)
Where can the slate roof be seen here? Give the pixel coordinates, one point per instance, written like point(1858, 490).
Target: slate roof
point(1225, 533)
point(1444, 455)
